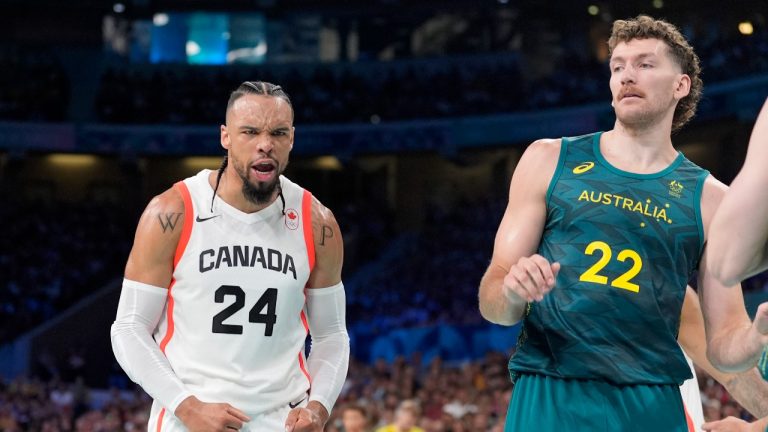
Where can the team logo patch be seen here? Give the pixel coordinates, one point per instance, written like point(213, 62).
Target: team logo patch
point(584, 167)
point(675, 188)
point(291, 219)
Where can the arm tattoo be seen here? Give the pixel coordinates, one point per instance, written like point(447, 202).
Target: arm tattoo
point(327, 232)
point(168, 220)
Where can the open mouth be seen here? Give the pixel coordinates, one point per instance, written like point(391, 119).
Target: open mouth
point(264, 170)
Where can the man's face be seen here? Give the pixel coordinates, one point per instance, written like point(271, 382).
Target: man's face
point(646, 82)
point(259, 137)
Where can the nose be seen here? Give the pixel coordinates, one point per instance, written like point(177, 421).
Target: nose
point(265, 144)
point(628, 75)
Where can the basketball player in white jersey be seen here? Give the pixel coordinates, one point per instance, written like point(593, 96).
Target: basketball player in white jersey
point(747, 388)
point(229, 272)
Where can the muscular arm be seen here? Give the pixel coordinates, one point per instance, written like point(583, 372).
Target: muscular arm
point(157, 235)
point(520, 231)
point(733, 424)
point(748, 388)
point(738, 237)
point(733, 343)
point(326, 314)
point(150, 268)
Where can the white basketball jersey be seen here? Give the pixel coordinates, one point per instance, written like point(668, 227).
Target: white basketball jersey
point(689, 390)
point(235, 326)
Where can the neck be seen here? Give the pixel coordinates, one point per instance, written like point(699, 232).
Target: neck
point(645, 148)
point(231, 191)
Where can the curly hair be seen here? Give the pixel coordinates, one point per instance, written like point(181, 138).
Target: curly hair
point(645, 27)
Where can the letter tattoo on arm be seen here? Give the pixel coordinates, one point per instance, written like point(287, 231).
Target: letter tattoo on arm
point(168, 220)
point(327, 233)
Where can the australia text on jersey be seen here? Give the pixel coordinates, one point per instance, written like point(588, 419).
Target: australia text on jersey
point(247, 256)
point(647, 208)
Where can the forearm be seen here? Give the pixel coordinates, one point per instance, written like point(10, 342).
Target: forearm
point(496, 306)
point(736, 349)
point(329, 356)
point(137, 353)
point(751, 391)
point(760, 425)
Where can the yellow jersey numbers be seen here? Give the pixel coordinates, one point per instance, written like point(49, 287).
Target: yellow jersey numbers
point(624, 281)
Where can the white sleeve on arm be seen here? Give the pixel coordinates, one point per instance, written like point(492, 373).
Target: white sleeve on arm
point(329, 356)
point(138, 312)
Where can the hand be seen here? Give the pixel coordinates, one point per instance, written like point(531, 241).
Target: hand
point(200, 416)
point(730, 424)
point(309, 419)
point(531, 278)
point(758, 333)
point(761, 320)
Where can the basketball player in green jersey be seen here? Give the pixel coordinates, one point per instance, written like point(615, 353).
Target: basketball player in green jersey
point(601, 234)
point(743, 215)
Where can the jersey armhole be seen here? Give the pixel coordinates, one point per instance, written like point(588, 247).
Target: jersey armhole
point(189, 218)
point(558, 169)
point(697, 207)
point(306, 210)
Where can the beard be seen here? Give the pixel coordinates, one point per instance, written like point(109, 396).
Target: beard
point(646, 117)
point(259, 193)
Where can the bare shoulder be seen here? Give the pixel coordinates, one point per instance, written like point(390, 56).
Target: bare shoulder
point(168, 201)
point(536, 167)
point(324, 225)
point(329, 247)
point(544, 150)
point(157, 237)
point(711, 195)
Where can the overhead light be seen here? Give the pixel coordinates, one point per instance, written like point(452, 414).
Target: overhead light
point(160, 19)
point(193, 48)
point(593, 10)
point(746, 28)
point(118, 8)
point(658, 4)
point(71, 160)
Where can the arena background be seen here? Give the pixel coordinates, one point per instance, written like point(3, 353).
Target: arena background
point(410, 118)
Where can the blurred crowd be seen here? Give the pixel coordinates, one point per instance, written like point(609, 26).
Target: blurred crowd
point(53, 254)
point(457, 83)
point(406, 395)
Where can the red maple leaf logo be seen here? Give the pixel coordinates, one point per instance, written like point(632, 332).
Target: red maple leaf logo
point(292, 215)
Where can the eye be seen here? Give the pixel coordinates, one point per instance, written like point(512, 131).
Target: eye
point(279, 133)
point(646, 66)
point(250, 132)
point(617, 68)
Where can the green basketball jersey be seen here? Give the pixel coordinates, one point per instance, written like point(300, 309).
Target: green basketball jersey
point(627, 244)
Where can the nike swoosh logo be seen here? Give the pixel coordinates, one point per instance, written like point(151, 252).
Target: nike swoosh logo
point(199, 219)
point(294, 405)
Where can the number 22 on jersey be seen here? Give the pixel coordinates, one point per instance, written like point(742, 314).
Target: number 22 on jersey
point(624, 281)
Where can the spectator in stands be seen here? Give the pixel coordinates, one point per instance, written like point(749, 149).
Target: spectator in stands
point(355, 418)
point(406, 418)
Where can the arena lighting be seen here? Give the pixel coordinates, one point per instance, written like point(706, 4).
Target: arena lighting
point(66, 160)
point(160, 19)
point(593, 10)
point(193, 48)
point(658, 4)
point(328, 163)
point(746, 28)
point(197, 163)
point(118, 8)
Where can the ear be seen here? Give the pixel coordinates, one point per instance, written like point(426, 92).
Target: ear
point(293, 134)
point(682, 87)
point(225, 138)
